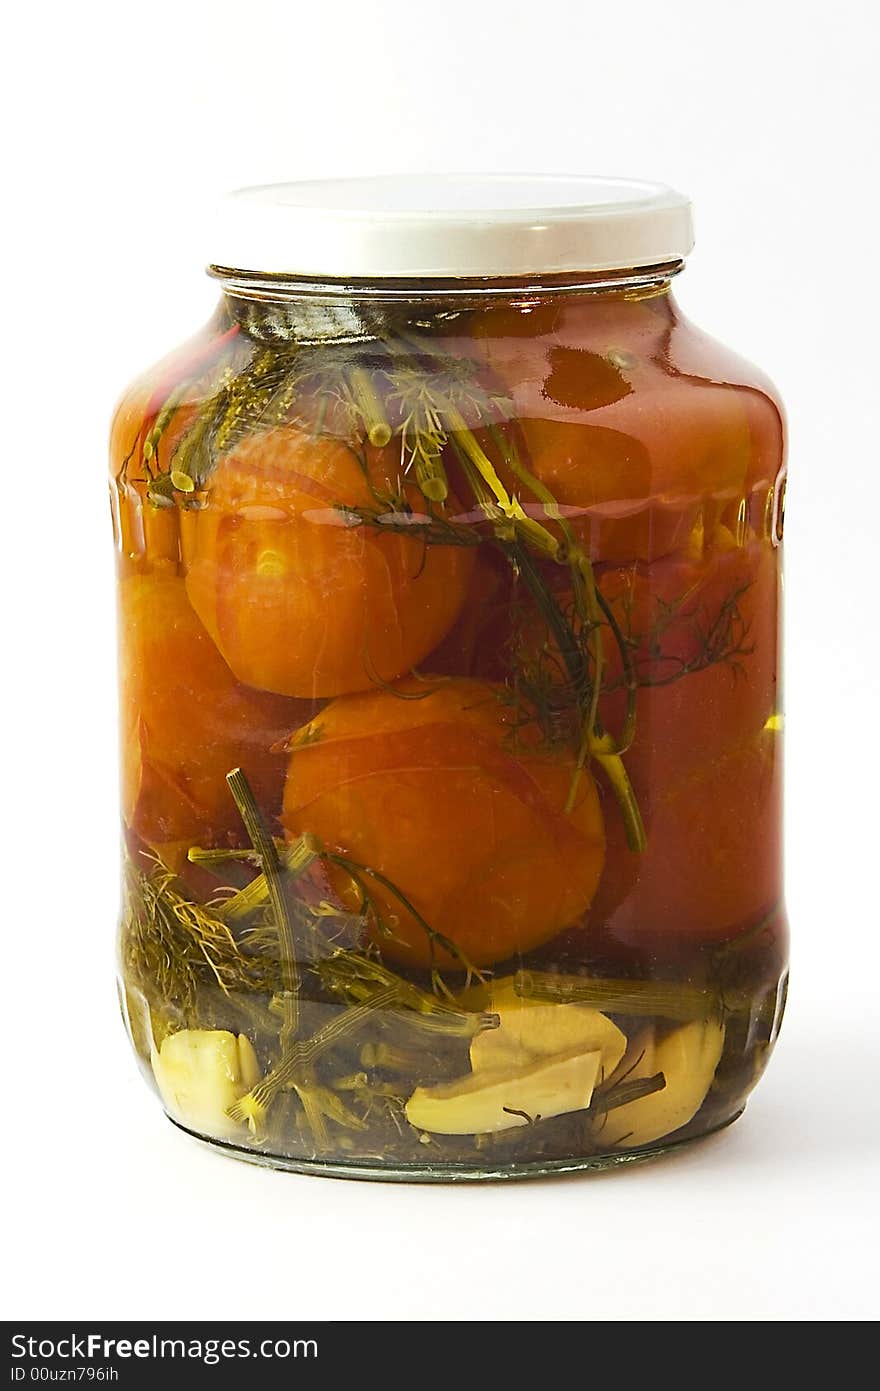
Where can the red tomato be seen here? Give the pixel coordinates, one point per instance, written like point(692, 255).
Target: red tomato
point(702, 635)
point(477, 645)
point(712, 863)
point(297, 598)
point(705, 761)
point(469, 824)
point(186, 721)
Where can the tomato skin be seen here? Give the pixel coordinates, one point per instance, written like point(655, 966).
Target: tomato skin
point(695, 700)
point(301, 599)
point(705, 762)
point(712, 865)
point(602, 479)
point(431, 793)
point(478, 643)
point(186, 722)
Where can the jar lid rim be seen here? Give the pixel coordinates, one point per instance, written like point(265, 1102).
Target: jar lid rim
point(450, 226)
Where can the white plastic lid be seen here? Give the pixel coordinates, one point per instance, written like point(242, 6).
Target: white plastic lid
point(450, 225)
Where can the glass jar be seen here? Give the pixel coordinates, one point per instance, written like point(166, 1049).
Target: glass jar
point(448, 558)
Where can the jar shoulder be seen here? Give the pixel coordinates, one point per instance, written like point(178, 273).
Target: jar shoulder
point(697, 355)
point(625, 400)
point(584, 355)
point(176, 382)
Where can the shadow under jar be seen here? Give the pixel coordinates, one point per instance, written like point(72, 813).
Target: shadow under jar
point(448, 569)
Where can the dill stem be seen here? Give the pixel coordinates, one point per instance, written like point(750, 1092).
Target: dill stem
point(555, 620)
point(594, 741)
point(387, 1056)
point(299, 1056)
point(294, 858)
point(592, 731)
point(271, 863)
point(239, 397)
point(431, 477)
point(186, 453)
point(627, 1091)
point(468, 445)
point(615, 771)
point(584, 581)
point(355, 974)
point(372, 412)
point(163, 420)
point(435, 938)
point(630, 682)
point(199, 856)
point(524, 526)
point(195, 365)
point(683, 1003)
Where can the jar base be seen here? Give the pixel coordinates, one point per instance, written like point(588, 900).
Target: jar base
point(454, 1173)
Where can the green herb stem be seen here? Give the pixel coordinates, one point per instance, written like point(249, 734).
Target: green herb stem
point(369, 406)
point(625, 1092)
point(681, 1002)
point(271, 863)
point(294, 858)
point(298, 1057)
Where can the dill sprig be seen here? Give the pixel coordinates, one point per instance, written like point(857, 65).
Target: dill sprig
point(254, 399)
point(361, 877)
point(169, 941)
point(420, 399)
point(723, 639)
point(298, 1057)
point(289, 861)
point(172, 946)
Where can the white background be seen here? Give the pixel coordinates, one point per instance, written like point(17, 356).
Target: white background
point(119, 118)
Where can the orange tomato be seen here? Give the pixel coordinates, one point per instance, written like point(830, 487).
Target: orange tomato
point(186, 721)
point(467, 820)
point(297, 598)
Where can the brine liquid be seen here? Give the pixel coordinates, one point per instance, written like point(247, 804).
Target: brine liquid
point(451, 730)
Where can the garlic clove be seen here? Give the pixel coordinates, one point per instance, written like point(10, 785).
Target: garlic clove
point(489, 1101)
point(200, 1073)
point(530, 1030)
point(248, 1067)
point(687, 1058)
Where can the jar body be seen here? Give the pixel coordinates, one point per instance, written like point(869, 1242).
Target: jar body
point(450, 728)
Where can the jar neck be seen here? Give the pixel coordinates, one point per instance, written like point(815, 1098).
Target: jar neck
point(277, 308)
point(256, 286)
